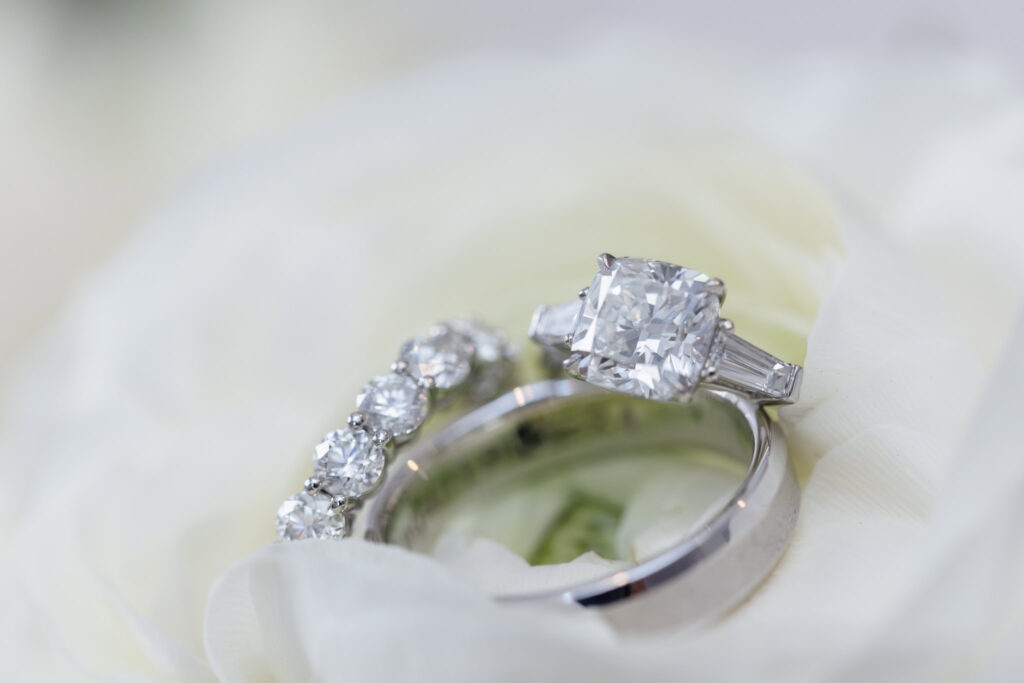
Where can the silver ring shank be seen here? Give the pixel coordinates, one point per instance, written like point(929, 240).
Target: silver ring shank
point(703, 575)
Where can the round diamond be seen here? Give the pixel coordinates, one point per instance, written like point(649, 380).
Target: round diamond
point(393, 402)
point(348, 462)
point(443, 356)
point(490, 344)
point(309, 515)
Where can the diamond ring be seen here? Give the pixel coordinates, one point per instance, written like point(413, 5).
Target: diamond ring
point(653, 329)
point(462, 355)
point(693, 577)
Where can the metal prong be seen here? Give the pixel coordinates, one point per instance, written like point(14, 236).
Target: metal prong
point(605, 261)
point(382, 436)
point(312, 484)
point(571, 364)
point(339, 503)
point(357, 420)
point(709, 372)
point(426, 382)
point(400, 367)
point(726, 325)
point(583, 292)
point(568, 339)
point(716, 287)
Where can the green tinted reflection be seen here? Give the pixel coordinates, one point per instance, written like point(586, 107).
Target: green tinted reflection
point(616, 476)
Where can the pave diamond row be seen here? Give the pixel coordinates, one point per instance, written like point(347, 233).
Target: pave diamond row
point(348, 464)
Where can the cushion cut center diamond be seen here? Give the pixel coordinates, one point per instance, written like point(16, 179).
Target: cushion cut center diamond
point(645, 328)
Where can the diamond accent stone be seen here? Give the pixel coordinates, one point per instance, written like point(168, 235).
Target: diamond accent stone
point(755, 371)
point(645, 328)
point(490, 343)
point(309, 515)
point(348, 463)
point(393, 402)
point(550, 324)
point(444, 355)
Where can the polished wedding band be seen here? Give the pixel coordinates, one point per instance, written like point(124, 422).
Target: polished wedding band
point(461, 356)
point(652, 329)
point(698, 578)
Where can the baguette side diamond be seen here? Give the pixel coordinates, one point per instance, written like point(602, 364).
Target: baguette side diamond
point(755, 371)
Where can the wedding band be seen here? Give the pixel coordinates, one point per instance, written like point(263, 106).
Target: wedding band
point(652, 329)
point(460, 356)
point(698, 578)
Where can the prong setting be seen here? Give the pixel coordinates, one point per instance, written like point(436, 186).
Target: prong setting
point(605, 261)
point(582, 294)
point(716, 287)
point(349, 463)
point(668, 315)
point(571, 364)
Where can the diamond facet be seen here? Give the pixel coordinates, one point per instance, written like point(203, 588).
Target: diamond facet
point(348, 463)
point(551, 324)
point(309, 515)
point(490, 344)
point(443, 356)
point(393, 402)
point(645, 328)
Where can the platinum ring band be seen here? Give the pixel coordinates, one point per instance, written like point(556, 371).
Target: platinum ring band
point(703, 575)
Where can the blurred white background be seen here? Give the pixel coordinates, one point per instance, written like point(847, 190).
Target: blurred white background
point(107, 106)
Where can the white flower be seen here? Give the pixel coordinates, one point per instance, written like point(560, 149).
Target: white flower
point(148, 446)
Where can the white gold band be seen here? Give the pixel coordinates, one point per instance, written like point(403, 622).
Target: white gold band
point(703, 574)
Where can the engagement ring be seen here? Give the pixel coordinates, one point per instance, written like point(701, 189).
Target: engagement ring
point(652, 329)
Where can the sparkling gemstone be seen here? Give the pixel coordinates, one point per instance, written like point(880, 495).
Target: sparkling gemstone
point(717, 350)
point(755, 371)
point(645, 328)
point(490, 344)
point(550, 324)
point(393, 402)
point(309, 515)
point(443, 355)
point(348, 463)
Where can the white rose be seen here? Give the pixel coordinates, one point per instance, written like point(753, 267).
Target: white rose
point(158, 429)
